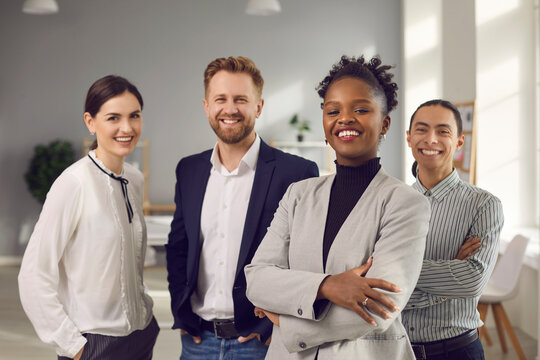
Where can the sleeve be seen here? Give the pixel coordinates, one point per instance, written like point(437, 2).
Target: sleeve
point(176, 254)
point(397, 258)
point(467, 278)
point(420, 299)
point(269, 271)
point(39, 274)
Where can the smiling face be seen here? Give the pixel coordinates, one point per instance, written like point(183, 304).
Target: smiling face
point(433, 138)
point(118, 126)
point(353, 121)
point(232, 104)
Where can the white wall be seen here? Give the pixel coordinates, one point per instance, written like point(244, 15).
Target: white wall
point(48, 62)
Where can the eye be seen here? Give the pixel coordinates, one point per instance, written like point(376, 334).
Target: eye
point(220, 99)
point(332, 112)
point(112, 118)
point(241, 100)
point(445, 132)
point(361, 111)
point(420, 130)
point(135, 116)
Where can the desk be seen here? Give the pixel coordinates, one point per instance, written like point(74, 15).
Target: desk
point(157, 228)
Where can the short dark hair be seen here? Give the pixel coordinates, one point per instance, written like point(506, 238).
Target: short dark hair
point(234, 64)
point(445, 104)
point(373, 72)
point(105, 88)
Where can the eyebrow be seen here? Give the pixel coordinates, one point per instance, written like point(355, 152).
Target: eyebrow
point(365, 101)
point(419, 123)
point(118, 114)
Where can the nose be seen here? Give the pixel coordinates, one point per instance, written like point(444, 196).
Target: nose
point(125, 126)
point(231, 108)
point(347, 117)
point(431, 137)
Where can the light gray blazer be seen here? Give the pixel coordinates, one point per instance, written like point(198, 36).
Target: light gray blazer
point(389, 222)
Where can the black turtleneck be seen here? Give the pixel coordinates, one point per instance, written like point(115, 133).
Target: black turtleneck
point(347, 188)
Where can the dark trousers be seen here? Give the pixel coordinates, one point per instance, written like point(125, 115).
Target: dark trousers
point(473, 351)
point(136, 346)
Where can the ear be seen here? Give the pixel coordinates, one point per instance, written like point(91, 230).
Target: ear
point(460, 141)
point(385, 124)
point(260, 107)
point(90, 122)
point(205, 103)
point(408, 138)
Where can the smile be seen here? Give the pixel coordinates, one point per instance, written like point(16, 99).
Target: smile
point(430, 152)
point(229, 121)
point(124, 139)
point(348, 133)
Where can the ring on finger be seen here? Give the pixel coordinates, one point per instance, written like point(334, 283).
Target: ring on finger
point(365, 301)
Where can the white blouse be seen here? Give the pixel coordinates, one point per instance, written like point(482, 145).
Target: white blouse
point(82, 269)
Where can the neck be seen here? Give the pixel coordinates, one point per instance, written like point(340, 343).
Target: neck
point(230, 155)
point(431, 177)
point(113, 163)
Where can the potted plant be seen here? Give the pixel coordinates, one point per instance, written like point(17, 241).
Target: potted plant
point(46, 165)
point(300, 126)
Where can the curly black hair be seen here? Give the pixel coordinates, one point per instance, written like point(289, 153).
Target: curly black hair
point(372, 72)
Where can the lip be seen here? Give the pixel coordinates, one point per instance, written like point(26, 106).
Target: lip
point(230, 121)
point(349, 137)
point(124, 143)
point(434, 152)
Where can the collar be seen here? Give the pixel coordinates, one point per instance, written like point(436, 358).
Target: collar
point(439, 191)
point(92, 154)
point(249, 159)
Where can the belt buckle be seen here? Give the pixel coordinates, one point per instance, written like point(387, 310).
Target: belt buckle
point(419, 352)
point(224, 329)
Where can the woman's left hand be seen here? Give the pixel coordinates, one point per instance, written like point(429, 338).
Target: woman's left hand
point(261, 313)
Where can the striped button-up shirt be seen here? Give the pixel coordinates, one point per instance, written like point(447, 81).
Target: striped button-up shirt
point(443, 304)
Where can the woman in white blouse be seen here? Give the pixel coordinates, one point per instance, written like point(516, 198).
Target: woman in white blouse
point(81, 279)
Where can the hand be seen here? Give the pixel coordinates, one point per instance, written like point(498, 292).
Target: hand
point(351, 290)
point(196, 339)
point(261, 313)
point(242, 339)
point(79, 354)
point(469, 248)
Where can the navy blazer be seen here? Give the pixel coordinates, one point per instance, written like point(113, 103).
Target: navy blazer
point(275, 171)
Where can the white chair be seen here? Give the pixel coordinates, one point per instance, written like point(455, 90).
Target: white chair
point(503, 286)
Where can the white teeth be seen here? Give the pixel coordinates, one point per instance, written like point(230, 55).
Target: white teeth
point(345, 133)
point(125, 139)
point(430, 152)
point(230, 121)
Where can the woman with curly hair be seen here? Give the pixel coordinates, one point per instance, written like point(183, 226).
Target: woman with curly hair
point(344, 251)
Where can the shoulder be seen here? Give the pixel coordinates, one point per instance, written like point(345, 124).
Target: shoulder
point(295, 160)
point(394, 191)
point(309, 186)
point(477, 197)
point(194, 160)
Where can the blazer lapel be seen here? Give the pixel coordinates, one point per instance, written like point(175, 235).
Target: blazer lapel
point(261, 184)
point(198, 182)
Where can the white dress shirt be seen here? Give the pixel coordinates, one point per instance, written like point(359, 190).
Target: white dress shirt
point(222, 224)
point(82, 269)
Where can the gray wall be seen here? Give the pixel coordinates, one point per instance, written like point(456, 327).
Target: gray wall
point(48, 62)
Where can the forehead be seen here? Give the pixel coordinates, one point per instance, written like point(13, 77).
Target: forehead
point(229, 83)
point(435, 115)
point(120, 103)
point(349, 89)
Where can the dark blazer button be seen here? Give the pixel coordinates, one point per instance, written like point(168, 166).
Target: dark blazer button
point(302, 345)
point(300, 312)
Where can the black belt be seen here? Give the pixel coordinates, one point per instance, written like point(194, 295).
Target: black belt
point(424, 350)
point(222, 329)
